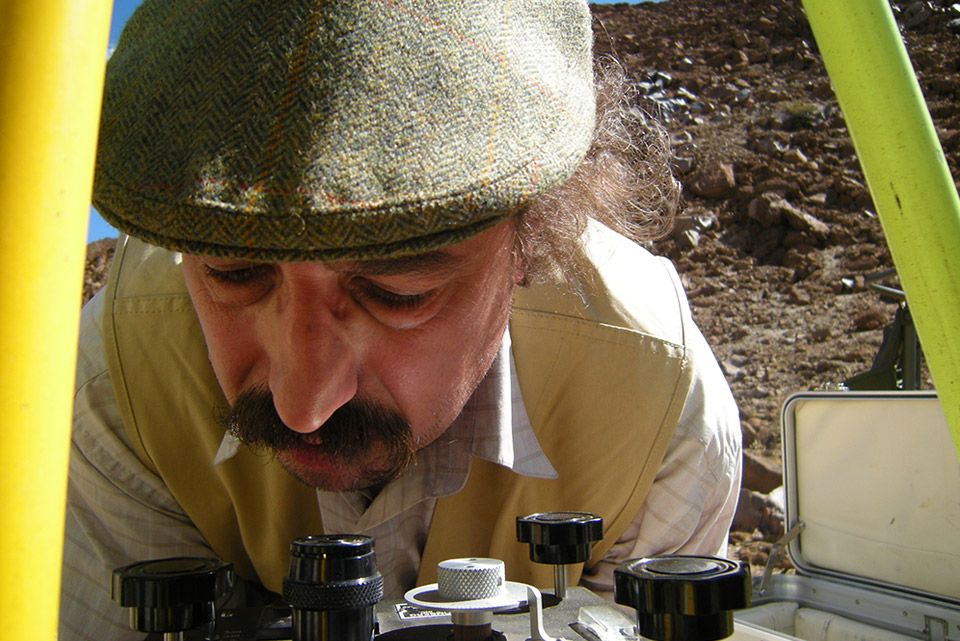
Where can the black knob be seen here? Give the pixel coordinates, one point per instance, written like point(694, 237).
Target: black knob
point(687, 598)
point(171, 595)
point(332, 586)
point(559, 538)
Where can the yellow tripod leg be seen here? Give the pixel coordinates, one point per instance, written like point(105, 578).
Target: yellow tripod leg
point(51, 80)
point(906, 171)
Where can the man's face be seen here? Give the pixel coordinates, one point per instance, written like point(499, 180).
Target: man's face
point(377, 357)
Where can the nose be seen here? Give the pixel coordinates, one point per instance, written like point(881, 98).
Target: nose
point(313, 363)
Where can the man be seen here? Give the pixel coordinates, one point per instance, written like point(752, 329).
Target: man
point(365, 290)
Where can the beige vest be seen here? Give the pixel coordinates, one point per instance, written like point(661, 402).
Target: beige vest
point(603, 375)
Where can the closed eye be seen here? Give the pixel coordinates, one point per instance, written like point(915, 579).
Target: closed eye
point(369, 292)
point(237, 276)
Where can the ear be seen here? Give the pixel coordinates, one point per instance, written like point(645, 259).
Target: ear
point(521, 263)
point(521, 272)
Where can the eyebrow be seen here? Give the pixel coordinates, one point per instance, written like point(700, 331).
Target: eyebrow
point(433, 263)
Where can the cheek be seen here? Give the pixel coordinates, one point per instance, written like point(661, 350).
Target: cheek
point(432, 371)
point(233, 355)
point(230, 345)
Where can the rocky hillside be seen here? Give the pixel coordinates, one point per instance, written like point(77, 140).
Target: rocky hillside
point(778, 237)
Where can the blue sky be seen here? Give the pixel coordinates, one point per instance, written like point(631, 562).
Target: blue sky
point(122, 9)
point(97, 227)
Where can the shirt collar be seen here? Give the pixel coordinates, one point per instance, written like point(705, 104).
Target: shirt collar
point(502, 432)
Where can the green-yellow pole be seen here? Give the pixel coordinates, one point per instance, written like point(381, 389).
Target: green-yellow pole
point(52, 56)
point(906, 171)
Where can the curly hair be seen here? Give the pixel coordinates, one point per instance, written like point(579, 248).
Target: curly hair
point(625, 182)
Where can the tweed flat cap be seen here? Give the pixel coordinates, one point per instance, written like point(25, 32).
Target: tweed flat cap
point(339, 129)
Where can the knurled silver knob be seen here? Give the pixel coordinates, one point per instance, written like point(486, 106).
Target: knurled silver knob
point(470, 579)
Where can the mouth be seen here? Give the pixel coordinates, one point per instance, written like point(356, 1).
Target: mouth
point(310, 454)
point(317, 467)
point(361, 444)
point(309, 450)
point(313, 438)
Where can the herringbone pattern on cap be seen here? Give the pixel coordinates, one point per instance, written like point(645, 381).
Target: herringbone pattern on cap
point(311, 129)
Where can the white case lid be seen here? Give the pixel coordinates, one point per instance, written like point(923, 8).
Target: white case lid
point(875, 478)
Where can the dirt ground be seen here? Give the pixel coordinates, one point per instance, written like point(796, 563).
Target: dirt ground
point(778, 236)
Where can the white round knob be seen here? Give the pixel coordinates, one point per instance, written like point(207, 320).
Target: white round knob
point(470, 579)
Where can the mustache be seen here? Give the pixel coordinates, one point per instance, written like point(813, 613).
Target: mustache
point(353, 430)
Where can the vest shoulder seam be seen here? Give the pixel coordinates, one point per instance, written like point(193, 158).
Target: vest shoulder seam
point(598, 331)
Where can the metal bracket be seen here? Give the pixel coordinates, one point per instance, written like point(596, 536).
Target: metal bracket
point(776, 553)
point(936, 629)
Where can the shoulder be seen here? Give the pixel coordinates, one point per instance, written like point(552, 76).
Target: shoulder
point(91, 362)
point(624, 287)
point(142, 271)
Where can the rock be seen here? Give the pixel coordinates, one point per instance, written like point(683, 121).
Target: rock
point(784, 187)
point(798, 296)
point(766, 26)
point(820, 333)
point(801, 115)
point(761, 209)
point(97, 265)
point(682, 164)
point(749, 514)
point(714, 181)
point(757, 512)
point(803, 221)
point(740, 360)
point(690, 239)
point(733, 373)
point(761, 473)
point(726, 92)
point(915, 15)
point(794, 157)
point(739, 59)
point(768, 147)
point(871, 319)
point(769, 209)
point(767, 242)
point(749, 432)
